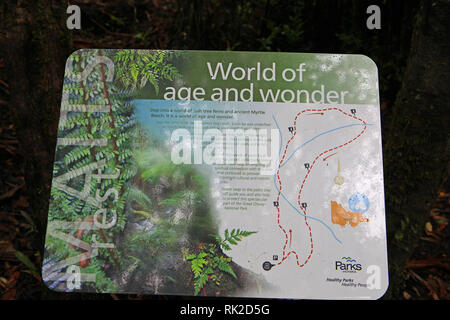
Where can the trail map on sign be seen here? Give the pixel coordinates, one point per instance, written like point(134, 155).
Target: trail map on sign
point(218, 174)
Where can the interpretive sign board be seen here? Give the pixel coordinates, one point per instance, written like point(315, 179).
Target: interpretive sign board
point(238, 174)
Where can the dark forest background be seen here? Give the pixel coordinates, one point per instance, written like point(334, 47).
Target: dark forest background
point(411, 51)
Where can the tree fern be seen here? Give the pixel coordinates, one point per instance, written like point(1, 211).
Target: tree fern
point(78, 124)
point(135, 194)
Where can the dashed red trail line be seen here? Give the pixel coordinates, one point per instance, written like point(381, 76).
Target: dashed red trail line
point(324, 159)
point(294, 132)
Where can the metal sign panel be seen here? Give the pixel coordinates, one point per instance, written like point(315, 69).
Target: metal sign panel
point(239, 174)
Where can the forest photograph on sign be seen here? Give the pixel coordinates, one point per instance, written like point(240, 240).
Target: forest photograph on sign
point(218, 173)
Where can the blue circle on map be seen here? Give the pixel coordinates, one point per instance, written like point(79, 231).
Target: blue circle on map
point(359, 203)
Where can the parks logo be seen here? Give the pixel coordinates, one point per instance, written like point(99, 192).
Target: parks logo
point(347, 264)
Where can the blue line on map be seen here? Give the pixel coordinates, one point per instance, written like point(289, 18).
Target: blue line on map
point(310, 140)
point(281, 136)
point(309, 217)
point(325, 132)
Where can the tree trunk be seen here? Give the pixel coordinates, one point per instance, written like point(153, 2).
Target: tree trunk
point(35, 47)
point(416, 154)
point(35, 44)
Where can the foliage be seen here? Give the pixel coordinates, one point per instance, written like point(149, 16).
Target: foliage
point(301, 26)
point(128, 152)
point(117, 126)
point(208, 265)
point(183, 186)
point(232, 238)
point(137, 68)
point(147, 246)
point(137, 197)
point(176, 199)
point(168, 199)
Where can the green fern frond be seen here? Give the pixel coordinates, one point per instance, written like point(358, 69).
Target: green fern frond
point(200, 282)
point(140, 197)
point(233, 237)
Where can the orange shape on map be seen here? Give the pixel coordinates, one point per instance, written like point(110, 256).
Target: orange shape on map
point(341, 216)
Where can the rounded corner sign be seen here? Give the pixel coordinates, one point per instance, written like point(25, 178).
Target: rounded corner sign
point(210, 173)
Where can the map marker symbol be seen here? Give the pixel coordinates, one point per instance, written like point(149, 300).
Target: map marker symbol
point(339, 180)
point(267, 265)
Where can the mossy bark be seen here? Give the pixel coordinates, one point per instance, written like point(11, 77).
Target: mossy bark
point(416, 153)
